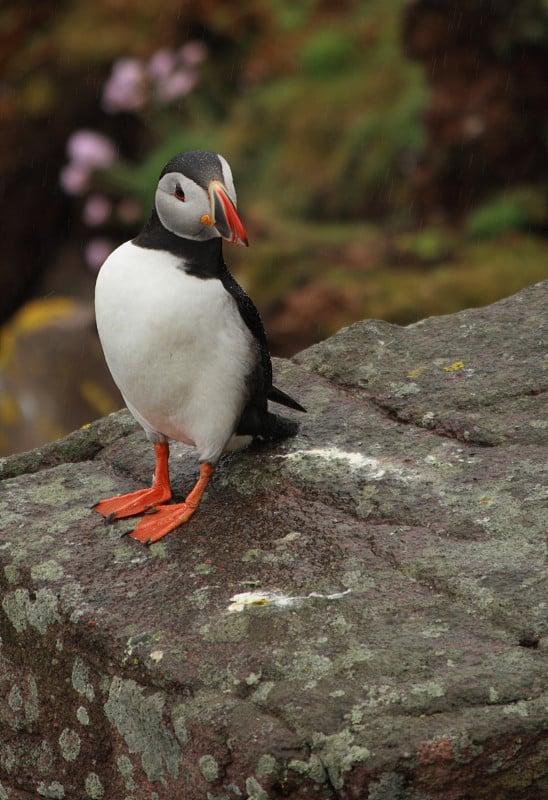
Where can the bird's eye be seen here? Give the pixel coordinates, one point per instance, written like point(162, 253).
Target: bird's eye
point(179, 193)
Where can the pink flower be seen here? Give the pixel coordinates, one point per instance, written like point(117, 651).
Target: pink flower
point(91, 150)
point(178, 84)
point(97, 251)
point(97, 210)
point(161, 64)
point(193, 53)
point(74, 178)
point(125, 90)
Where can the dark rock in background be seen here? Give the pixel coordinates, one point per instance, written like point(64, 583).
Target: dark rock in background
point(357, 613)
point(53, 376)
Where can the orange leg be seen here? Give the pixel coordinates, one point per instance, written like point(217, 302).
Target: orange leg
point(127, 505)
point(167, 518)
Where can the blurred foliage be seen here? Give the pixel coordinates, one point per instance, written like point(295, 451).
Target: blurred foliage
point(322, 117)
point(327, 119)
point(430, 245)
point(327, 53)
point(526, 24)
point(400, 277)
point(330, 136)
point(520, 208)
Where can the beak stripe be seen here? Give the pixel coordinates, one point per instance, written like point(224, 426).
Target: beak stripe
point(225, 216)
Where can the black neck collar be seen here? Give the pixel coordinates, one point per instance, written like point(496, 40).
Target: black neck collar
point(204, 259)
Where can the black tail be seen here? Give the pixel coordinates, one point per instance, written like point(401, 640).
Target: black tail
point(277, 396)
point(265, 426)
point(276, 427)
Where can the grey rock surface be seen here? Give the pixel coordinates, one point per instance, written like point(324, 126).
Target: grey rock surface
point(359, 612)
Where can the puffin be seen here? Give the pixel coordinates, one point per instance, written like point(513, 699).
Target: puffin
point(183, 341)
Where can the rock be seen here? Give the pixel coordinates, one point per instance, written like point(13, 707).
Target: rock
point(359, 612)
point(44, 393)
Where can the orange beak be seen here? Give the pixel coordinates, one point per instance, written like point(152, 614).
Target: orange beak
point(224, 215)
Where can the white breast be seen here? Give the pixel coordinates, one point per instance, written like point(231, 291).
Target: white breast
point(176, 346)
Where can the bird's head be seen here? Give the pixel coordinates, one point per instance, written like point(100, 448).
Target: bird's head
point(196, 199)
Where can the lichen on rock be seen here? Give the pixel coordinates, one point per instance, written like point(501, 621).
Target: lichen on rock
point(353, 612)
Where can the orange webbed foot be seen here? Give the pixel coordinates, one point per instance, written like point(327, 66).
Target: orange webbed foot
point(128, 505)
point(163, 520)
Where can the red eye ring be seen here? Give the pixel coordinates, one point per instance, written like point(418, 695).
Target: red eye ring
point(179, 193)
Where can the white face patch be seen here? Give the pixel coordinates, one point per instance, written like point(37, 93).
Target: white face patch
point(183, 216)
